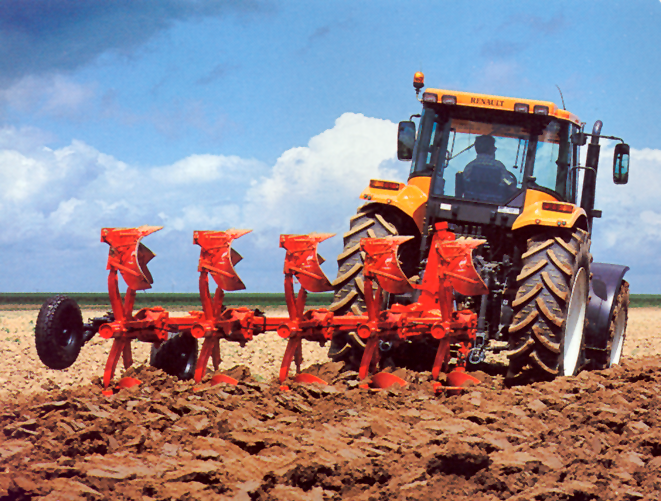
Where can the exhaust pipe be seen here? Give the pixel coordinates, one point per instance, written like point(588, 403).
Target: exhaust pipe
point(590, 179)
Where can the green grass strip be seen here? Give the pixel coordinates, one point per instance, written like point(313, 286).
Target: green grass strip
point(644, 300)
point(143, 299)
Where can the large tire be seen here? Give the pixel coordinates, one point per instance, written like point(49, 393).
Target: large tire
point(617, 329)
point(177, 356)
point(369, 222)
point(546, 333)
point(59, 332)
point(349, 285)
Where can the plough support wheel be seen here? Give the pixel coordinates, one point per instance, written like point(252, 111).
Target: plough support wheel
point(59, 332)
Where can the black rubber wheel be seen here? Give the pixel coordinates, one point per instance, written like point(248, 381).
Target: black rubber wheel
point(617, 330)
point(59, 332)
point(369, 222)
point(546, 333)
point(177, 356)
point(349, 286)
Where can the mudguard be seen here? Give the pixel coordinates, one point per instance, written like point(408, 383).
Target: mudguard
point(604, 287)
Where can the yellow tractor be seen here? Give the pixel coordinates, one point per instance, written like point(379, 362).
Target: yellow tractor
point(505, 170)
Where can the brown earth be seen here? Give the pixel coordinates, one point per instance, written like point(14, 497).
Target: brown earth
point(593, 436)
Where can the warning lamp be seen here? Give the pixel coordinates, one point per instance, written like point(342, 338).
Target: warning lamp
point(540, 110)
point(418, 81)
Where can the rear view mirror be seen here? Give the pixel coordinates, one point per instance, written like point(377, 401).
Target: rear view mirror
point(405, 140)
point(621, 164)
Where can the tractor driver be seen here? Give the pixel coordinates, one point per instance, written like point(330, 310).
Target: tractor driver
point(486, 176)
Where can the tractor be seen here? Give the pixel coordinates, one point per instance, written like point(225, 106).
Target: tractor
point(506, 171)
point(486, 247)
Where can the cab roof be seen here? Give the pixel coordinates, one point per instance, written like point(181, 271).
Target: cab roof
point(476, 100)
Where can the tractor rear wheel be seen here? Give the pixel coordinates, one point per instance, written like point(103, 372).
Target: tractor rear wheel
point(59, 332)
point(369, 222)
point(546, 333)
point(177, 356)
point(617, 329)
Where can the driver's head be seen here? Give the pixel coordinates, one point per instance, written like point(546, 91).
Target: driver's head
point(485, 144)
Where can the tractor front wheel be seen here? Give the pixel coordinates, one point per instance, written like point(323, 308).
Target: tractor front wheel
point(59, 332)
point(546, 333)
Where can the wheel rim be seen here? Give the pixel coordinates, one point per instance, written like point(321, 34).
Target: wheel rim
point(618, 340)
point(573, 336)
point(67, 335)
point(64, 338)
point(189, 363)
point(188, 356)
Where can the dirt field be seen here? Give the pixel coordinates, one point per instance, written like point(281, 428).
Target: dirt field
point(594, 436)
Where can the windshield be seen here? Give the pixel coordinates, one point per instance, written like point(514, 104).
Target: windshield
point(552, 160)
point(489, 161)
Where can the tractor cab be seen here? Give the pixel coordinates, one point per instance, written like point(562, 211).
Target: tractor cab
point(490, 158)
point(484, 151)
point(487, 156)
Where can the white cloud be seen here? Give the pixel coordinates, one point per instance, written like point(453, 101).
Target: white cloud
point(65, 213)
point(53, 203)
point(39, 178)
point(25, 139)
point(203, 168)
point(315, 188)
point(61, 198)
point(203, 217)
point(629, 232)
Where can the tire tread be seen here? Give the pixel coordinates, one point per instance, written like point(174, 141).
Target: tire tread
point(49, 322)
point(541, 303)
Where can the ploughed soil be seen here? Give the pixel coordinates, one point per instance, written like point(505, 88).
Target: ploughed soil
point(596, 436)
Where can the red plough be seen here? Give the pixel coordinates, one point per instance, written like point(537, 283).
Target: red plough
point(449, 268)
point(218, 259)
point(128, 256)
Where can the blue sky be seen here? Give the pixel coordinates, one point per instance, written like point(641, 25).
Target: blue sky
point(201, 115)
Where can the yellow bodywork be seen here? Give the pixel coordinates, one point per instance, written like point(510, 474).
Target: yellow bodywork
point(411, 198)
point(476, 100)
point(534, 215)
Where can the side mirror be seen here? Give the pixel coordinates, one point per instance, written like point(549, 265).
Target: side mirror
point(621, 164)
point(405, 140)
